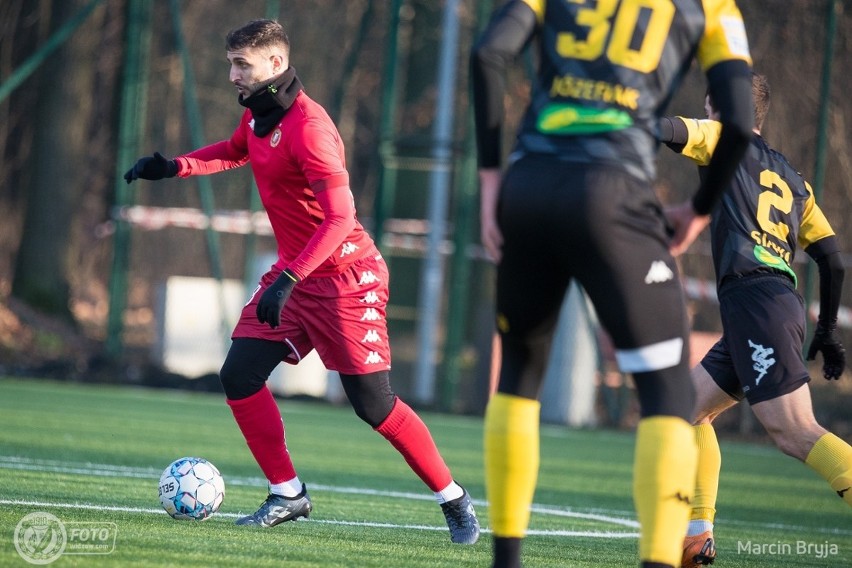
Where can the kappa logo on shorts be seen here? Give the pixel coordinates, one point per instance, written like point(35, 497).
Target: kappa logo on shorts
point(762, 360)
point(371, 314)
point(370, 298)
point(373, 358)
point(367, 278)
point(659, 272)
point(347, 248)
point(371, 337)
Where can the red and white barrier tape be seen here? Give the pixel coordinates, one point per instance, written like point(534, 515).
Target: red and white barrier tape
point(403, 234)
point(156, 218)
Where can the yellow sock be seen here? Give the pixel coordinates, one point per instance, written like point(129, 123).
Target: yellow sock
point(664, 478)
point(707, 477)
point(831, 457)
point(511, 462)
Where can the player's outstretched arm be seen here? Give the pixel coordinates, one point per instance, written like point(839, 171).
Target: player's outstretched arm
point(152, 168)
point(673, 133)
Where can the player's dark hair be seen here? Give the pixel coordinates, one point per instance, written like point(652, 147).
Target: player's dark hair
point(258, 34)
point(760, 92)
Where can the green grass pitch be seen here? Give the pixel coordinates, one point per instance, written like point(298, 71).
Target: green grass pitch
point(91, 455)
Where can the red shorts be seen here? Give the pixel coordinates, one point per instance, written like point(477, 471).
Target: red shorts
point(343, 317)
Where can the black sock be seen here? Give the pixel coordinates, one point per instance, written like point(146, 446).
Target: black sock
point(507, 552)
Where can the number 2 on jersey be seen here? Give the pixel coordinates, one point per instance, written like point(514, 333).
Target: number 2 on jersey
point(622, 20)
point(769, 199)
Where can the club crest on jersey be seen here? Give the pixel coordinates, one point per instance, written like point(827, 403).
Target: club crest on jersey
point(276, 138)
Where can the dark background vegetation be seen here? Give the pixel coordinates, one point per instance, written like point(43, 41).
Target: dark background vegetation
point(58, 170)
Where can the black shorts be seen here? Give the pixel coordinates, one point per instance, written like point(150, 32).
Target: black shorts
point(759, 356)
point(604, 227)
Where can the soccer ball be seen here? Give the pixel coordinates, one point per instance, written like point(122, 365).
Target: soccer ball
point(191, 489)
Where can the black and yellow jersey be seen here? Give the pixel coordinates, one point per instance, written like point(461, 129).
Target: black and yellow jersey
point(608, 68)
point(768, 210)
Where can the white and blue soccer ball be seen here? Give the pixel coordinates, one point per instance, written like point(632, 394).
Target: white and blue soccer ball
point(191, 489)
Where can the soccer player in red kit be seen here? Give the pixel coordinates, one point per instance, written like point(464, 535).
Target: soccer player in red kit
point(328, 290)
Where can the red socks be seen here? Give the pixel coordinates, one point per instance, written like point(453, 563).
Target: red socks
point(260, 422)
point(410, 436)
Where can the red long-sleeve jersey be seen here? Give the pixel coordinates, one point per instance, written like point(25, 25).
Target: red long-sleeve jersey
point(300, 170)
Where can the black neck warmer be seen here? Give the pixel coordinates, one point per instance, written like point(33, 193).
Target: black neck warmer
point(271, 100)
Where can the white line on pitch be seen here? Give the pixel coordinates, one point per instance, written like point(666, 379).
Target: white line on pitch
point(107, 470)
point(120, 471)
point(220, 516)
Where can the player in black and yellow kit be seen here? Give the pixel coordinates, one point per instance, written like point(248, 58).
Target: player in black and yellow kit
point(576, 202)
point(768, 211)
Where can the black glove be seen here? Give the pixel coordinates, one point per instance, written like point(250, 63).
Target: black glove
point(273, 299)
point(152, 167)
point(827, 340)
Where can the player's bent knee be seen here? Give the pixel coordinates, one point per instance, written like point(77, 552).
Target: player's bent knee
point(370, 395)
point(236, 382)
point(795, 442)
point(784, 442)
point(248, 365)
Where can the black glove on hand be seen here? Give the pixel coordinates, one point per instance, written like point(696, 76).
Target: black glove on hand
point(273, 299)
point(152, 167)
point(827, 340)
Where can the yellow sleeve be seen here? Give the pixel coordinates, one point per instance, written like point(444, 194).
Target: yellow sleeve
point(814, 225)
point(703, 137)
point(724, 34)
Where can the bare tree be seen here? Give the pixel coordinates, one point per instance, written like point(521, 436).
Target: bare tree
point(63, 102)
